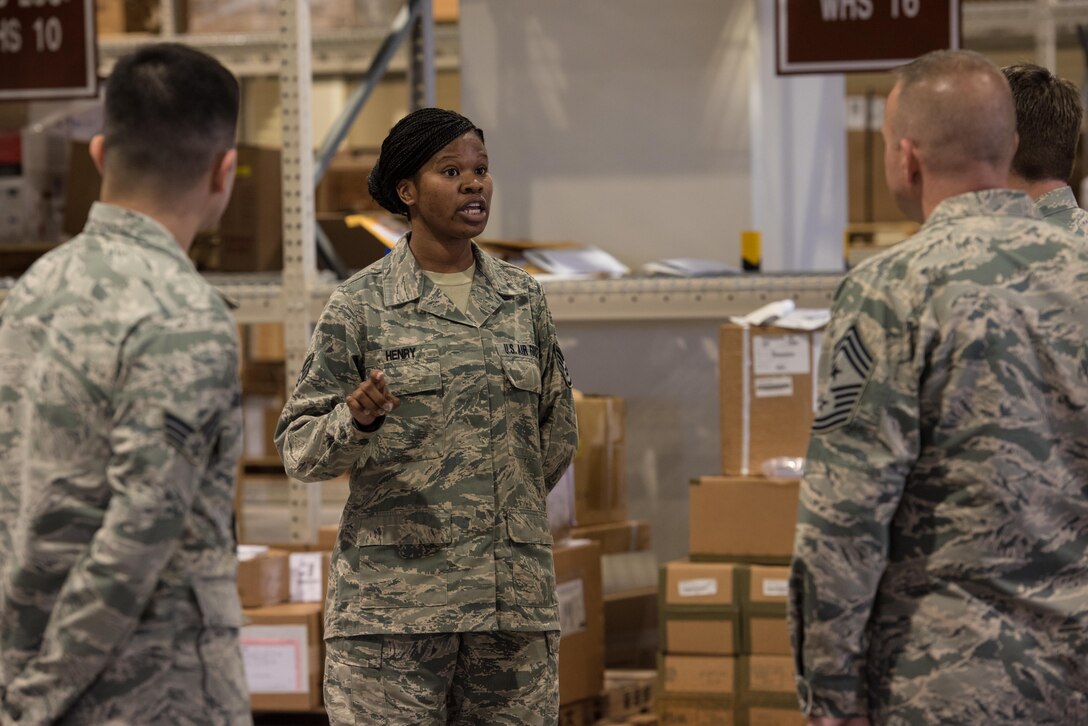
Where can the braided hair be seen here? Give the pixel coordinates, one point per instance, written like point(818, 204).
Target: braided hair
point(410, 143)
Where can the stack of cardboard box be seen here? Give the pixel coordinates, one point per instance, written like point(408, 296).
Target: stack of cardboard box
point(627, 562)
point(725, 651)
point(581, 620)
point(282, 594)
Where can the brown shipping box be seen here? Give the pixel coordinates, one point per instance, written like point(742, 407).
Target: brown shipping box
point(264, 580)
point(581, 618)
point(251, 228)
point(614, 538)
point(688, 711)
point(600, 493)
point(698, 675)
point(766, 691)
point(699, 608)
point(748, 519)
point(865, 176)
point(763, 611)
point(767, 394)
point(284, 656)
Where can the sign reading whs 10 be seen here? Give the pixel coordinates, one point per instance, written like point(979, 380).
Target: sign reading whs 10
point(47, 49)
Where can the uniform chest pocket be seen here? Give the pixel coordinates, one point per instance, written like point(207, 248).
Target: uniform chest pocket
point(522, 406)
point(413, 431)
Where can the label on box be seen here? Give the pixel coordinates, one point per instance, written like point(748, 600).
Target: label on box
point(781, 354)
point(776, 588)
point(251, 552)
point(275, 658)
point(698, 587)
point(774, 386)
point(572, 607)
point(307, 576)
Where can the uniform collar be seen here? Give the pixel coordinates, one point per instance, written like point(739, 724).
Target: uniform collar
point(112, 221)
point(405, 282)
point(986, 203)
point(1057, 200)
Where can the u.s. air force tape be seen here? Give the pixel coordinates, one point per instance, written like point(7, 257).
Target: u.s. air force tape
point(851, 365)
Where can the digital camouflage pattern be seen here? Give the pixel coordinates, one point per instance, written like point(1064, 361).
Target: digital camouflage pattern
point(941, 565)
point(446, 527)
point(1060, 207)
point(120, 430)
point(499, 679)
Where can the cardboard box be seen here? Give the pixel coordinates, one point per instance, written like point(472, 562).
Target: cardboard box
point(626, 694)
point(264, 579)
point(764, 627)
point(579, 713)
point(698, 675)
point(446, 11)
point(631, 630)
point(867, 190)
point(685, 711)
point(766, 691)
point(284, 656)
point(746, 519)
point(251, 228)
point(750, 715)
point(581, 616)
point(600, 487)
point(113, 17)
point(344, 188)
point(767, 394)
point(700, 613)
point(616, 537)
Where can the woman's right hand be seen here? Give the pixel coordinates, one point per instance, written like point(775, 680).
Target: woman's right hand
point(372, 399)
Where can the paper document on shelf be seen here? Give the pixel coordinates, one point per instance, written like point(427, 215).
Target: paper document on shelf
point(579, 261)
point(689, 267)
point(785, 314)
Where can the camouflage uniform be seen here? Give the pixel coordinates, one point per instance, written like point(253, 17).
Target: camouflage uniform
point(446, 528)
point(941, 564)
point(1060, 207)
point(120, 431)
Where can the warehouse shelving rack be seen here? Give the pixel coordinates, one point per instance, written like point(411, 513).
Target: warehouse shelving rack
point(296, 297)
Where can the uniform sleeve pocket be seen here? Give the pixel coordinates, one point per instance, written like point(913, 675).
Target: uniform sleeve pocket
point(526, 526)
point(220, 606)
point(531, 540)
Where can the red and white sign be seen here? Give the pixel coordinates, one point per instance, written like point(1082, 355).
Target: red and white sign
point(843, 36)
point(47, 49)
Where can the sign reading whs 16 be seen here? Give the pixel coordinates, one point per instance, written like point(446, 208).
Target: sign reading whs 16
point(47, 49)
point(840, 36)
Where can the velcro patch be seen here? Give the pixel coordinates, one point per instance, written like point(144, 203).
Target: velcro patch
point(851, 366)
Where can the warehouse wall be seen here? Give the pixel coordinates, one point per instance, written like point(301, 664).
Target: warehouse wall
point(622, 123)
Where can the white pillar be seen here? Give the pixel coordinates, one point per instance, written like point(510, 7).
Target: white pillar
point(798, 128)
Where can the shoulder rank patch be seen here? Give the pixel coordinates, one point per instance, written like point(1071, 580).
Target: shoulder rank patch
point(851, 364)
point(562, 363)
